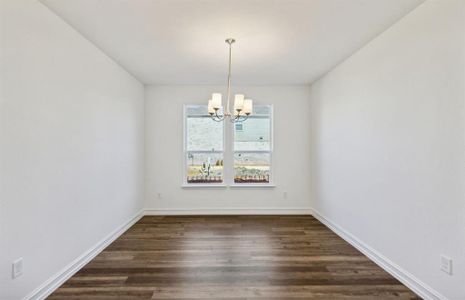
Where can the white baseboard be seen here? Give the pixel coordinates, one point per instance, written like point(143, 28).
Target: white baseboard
point(419, 287)
point(44, 290)
point(229, 211)
point(403, 276)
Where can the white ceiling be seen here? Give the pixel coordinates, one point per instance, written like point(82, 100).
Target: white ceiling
point(182, 41)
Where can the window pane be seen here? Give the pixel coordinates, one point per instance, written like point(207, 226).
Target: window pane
point(252, 135)
point(261, 110)
point(196, 110)
point(199, 110)
point(204, 134)
point(251, 167)
point(204, 167)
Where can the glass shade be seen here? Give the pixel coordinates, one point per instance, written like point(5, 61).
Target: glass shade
point(239, 102)
point(248, 106)
point(210, 107)
point(216, 100)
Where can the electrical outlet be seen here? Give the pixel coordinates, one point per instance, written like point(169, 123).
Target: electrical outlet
point(285, 195)
point(446, 264)
point(17, 267)
point(159, 195)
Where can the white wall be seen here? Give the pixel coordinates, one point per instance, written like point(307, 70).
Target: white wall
point(164, 156)
point(71, 142)
point(388, 144)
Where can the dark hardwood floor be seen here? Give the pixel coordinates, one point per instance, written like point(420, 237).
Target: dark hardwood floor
point(231, 257)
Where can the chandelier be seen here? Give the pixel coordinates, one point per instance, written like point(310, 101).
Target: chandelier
point(242, 107)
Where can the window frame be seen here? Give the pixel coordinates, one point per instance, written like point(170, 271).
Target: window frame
point(270, 152)
point(185, 152)
point(228, 154)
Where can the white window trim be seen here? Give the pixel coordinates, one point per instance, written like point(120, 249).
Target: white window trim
point(228, 156)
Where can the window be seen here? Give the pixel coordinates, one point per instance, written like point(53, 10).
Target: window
point(246, 161)
point(203, 147)
point(252, 147)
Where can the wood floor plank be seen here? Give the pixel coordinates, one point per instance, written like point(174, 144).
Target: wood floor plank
point(231, 257)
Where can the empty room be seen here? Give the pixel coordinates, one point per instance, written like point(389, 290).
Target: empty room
point(232, 149)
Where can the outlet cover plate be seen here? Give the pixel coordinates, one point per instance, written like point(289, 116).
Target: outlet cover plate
point(17, 267)
point(446, 264)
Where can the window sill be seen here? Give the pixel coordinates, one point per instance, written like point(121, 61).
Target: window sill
point(233, 185)
point(200, 185)
point(252, 185)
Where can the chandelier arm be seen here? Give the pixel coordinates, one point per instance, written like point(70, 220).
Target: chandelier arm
point(217, 118)
point(233, 118)
point(238, 119)
point(216, 114)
